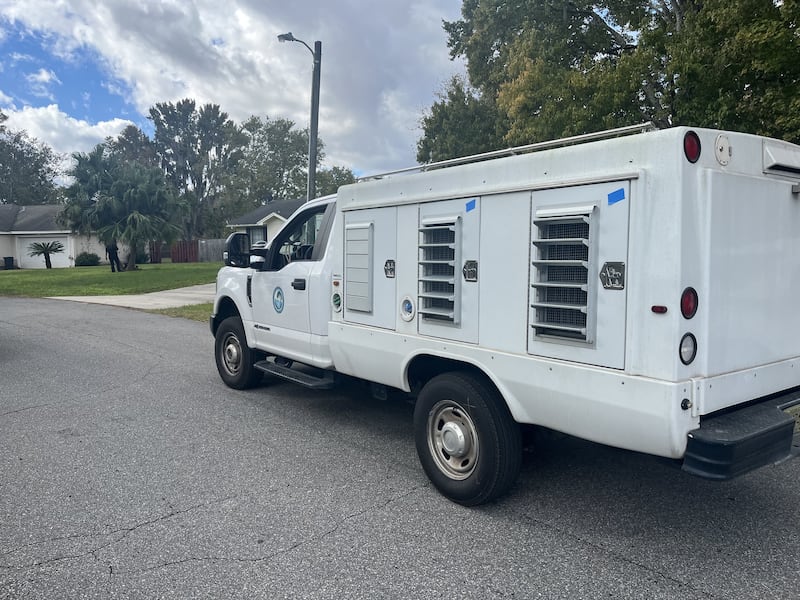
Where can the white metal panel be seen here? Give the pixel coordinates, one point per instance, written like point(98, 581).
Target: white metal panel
point(751, 304)
point(608, 244)
point(505, 230)
point(370, 240)
point(406, 267)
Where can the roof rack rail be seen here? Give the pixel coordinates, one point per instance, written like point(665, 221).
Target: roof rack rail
point(575, 139)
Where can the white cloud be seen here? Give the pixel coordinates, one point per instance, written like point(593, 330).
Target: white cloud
point(381, 64)
point(39, 83)
point(18, 57)
point(5, 100)
point(63, 133)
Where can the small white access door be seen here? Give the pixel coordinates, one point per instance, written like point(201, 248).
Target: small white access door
point(578, 277)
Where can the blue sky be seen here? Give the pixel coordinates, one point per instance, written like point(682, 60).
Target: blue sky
point(80, 102)
point(33, 75)
point(76, 71)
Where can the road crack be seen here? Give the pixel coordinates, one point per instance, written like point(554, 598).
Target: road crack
point(19, 410)
point(118, 535)
point(284, 551)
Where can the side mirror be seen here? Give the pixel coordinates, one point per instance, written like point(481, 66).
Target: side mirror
point(237, 250)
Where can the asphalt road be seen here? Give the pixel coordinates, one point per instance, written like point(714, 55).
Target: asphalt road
point(128, 470)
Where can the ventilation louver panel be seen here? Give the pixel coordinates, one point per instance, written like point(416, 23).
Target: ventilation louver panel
point(439, 255)
point(560, 298)
point(358, 241)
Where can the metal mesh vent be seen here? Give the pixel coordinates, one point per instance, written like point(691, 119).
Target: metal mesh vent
point(438, 257)
point(560, 276)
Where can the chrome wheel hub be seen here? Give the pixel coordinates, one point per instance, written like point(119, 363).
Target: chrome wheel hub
point(232, 354)
point(452, 440)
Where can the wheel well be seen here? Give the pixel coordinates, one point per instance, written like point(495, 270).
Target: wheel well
point(424, 367)
point(226, 308)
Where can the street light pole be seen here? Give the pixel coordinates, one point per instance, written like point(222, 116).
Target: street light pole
point(312, 134)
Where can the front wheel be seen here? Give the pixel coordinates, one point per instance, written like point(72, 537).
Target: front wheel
point(469, 445)
point(234, 358)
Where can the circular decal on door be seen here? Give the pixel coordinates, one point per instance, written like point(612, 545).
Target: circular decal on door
point(277, 299)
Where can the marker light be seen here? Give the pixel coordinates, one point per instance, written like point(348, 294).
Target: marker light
point(691, 146)
point(689, 302)
point(688, 349)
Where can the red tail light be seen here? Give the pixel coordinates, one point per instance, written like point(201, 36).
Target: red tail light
point(689, 302)
point(691, 146)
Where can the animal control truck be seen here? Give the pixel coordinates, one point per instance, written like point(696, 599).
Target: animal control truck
point(638, 288)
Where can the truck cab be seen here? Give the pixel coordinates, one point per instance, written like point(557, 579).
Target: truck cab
point(279, 293)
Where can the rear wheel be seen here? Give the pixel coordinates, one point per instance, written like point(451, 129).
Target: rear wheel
point(469, 445)
point(234, 358)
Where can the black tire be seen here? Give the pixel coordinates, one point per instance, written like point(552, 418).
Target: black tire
point(234, 358)
point(469, 445)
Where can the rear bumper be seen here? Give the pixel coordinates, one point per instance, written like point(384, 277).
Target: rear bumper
point(735, 441)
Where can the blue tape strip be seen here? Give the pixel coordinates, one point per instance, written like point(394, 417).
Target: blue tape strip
point(616, 196)
point(472, 204)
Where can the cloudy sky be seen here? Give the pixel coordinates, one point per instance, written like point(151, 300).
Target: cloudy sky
point(73, 72)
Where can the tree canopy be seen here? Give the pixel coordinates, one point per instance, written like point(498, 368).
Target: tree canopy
point(542, 69)
point(28, 169)
point(200, 170)
point(119, 200)
point(198, 149)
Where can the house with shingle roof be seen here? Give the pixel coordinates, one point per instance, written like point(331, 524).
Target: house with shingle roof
point(262, 223)
point(21, 226)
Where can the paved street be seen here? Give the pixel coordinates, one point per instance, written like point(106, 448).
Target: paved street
point(128, 470)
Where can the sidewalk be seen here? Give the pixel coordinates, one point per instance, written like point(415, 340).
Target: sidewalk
point(196, 294)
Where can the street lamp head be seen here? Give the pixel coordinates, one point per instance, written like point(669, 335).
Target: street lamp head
point(286, 37)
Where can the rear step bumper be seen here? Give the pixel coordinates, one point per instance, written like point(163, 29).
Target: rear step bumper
point(734, 442)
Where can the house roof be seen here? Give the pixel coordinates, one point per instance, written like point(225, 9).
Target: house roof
point(41, 217)
point(282, 208)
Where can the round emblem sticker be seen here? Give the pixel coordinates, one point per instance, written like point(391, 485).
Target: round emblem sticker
point(277, 299)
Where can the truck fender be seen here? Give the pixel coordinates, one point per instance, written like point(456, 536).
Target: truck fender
point(422, 366)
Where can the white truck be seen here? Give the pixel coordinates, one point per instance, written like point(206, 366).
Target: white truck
point(636, 288)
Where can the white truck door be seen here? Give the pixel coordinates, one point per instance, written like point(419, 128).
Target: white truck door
point(280, 291)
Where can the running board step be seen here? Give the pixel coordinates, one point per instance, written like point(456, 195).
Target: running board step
point(326, 382)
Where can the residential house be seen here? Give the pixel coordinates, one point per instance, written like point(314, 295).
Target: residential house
point(20, 226)
point(262, 223)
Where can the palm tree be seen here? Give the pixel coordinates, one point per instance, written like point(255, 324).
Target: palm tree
point(136, 209)
point(46, 249)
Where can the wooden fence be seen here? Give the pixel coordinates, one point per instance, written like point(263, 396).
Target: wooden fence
point(185, 251)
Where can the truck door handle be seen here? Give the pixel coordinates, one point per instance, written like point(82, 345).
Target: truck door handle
point(299, 284)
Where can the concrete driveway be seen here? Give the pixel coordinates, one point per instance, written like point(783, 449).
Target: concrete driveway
point(196, 294)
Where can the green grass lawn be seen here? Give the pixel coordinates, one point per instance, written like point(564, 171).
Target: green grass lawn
point(100, 281)
point(195, 312)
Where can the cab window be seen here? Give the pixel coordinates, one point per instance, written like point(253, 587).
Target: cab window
point(297, 240)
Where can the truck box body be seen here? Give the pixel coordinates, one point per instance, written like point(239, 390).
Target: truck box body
point(731, 232)
point(560, 276)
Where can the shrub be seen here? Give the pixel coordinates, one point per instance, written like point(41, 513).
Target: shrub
point(87, 259)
